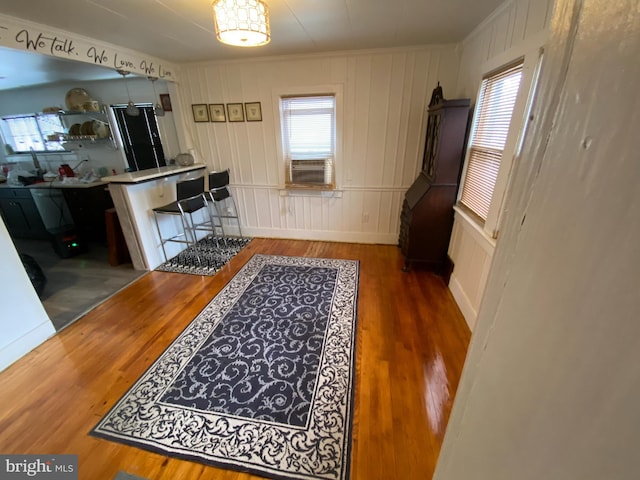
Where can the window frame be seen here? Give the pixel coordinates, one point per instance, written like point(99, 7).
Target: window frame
point(10, 138)
point(334, 90)
point(482, 145)
point(119, 118)
point(531, 64)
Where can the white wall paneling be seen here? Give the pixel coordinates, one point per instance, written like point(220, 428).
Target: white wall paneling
point(473, 252)
point(384, 98)
point(320, 217)
point(551, 384)
point(507, 31)
point(516, 29)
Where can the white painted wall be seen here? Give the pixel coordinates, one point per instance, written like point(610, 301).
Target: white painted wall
point(517, 28)
point(24, 324)
point(107, 92)
point(385, 95)
point(551, 384)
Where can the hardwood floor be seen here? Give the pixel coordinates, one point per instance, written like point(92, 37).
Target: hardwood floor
point(411, 345)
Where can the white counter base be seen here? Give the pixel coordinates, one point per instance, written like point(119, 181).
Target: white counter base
point(135, 195)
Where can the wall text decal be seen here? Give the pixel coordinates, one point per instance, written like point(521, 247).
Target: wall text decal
point(22, 35)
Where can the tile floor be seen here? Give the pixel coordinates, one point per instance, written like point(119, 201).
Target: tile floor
point(76, 285)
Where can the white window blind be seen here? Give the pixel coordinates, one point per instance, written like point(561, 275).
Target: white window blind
point(309, 138)
point(498, 94)
point(30, 132)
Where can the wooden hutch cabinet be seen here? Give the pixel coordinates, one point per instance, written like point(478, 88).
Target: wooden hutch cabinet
point(426, 219)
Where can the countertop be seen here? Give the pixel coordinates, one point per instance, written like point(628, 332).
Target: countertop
point(56, 184)
point(131, 177)
point(152, 173)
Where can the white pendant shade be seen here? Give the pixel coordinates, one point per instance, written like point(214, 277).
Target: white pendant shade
point(242, 23)
point(131, 110)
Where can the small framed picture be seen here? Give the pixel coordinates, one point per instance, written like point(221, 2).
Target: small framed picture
point(216, 112)
point(165, 101)
point(235, 111)
point(254, 111)
point(200, 112)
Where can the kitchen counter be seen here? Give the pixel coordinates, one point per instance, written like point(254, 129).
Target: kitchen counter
point(56, 184)
point(152, 173)
point(130, 177)
point(67, 184)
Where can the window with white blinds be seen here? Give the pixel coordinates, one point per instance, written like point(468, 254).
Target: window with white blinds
point(28, 132)
point(309, 139)
point(494, 109)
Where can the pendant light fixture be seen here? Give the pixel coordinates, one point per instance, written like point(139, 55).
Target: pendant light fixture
point(242, 23)
point(159, 111)
point(131, 110)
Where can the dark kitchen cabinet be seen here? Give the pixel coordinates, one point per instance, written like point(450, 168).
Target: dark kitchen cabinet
point(20, 214)
point(426, 219)
point(87, 206)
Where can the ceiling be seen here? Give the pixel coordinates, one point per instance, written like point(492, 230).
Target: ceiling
point(182, 30)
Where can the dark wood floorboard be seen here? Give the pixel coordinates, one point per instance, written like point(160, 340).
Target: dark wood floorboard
point(411, 345)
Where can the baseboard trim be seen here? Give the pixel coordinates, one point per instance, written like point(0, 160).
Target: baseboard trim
point(325, 236)
point(463, 302)
point(24, 344)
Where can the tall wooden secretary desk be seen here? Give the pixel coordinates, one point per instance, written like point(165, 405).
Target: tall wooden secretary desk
point(426, 219)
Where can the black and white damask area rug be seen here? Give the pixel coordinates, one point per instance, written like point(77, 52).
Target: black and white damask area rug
point(261, 380)
point(206, 257)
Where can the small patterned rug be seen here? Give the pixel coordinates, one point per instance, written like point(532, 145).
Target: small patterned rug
point(127, 476)
point(206, 257)
point(261, 381)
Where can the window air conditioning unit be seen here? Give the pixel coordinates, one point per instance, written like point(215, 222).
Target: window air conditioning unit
point(311, 172)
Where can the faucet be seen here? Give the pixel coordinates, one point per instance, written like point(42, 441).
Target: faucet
point(36, 163)
point(80, 163)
